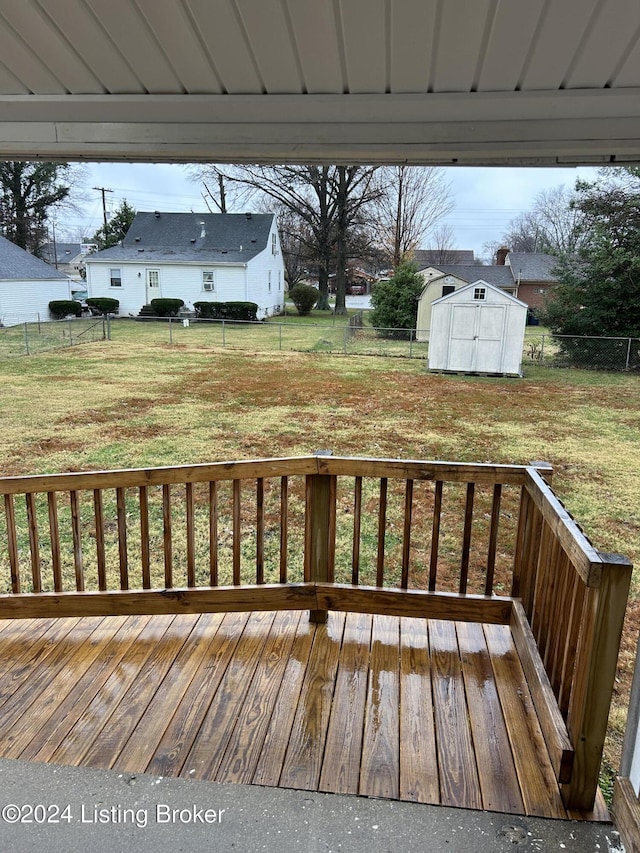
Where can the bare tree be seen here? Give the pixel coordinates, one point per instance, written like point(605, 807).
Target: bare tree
point(327, 199)
point(413, 199)
point(555, 225)
point(442, 241)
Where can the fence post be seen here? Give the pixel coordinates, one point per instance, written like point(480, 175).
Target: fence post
point(109, 326)
point(280, 335)
point(628, 354)
point(224, 341)
point(26, 338)
point(170, 331)
point(320, 532)
point(595, 667)
point(542, 351)
point(70, 334)
point(346, 339)
point(411, 343)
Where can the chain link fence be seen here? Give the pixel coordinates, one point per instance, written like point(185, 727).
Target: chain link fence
point(40, 336)
point(346, 336)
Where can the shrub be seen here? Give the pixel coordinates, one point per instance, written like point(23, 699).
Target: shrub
point(103, 304)
point(304, 297)
point(167, 307)
point(226, 310)
point(395, 302)
point(61, 308)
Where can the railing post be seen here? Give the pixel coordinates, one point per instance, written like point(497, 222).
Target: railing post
point(320, 532)
point(595, 670)
point(528, 540)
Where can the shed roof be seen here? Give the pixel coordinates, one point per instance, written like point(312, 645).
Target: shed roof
point(456, 294)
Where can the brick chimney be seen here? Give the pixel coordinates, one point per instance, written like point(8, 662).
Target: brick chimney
point(501, 255)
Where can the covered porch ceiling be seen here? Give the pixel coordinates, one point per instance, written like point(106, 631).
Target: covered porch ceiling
point(419, 81)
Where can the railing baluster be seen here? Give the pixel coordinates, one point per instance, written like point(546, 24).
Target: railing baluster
point(54, 534)
point(466, 538)
point(191, 536)
point(77, 540)
point(406, 535)
point(357, 522)
point(12, 542)
point(260, 530)
point(237, 529)
point(98, 514)
point(284, 527)
point(144, 538)
point(578, 590)
point(435, 536)
point(493, 539)
point(213, 533)
point(34, 543)
point(122, 537)
point(382, 526)
point(167, 544)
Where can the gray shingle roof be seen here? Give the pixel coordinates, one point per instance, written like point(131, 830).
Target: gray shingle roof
point(18, 265)
point(429, 257)
point(500, 276)
point(64, 252)
point(532, 266)
point(227, 238)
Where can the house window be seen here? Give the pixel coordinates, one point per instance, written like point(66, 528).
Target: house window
point(115, 277)
point(447, 289)
point(207, 280)
point(541, 290)
point(480, 293)
point(279, 280)
point(273, 244)
point(269, 281)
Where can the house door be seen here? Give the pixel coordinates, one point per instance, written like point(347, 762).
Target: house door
point(153, 285)
point(477, 338)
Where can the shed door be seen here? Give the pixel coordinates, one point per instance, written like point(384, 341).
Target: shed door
point(476, 341)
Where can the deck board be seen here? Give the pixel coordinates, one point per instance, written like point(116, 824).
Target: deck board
point(403, 708)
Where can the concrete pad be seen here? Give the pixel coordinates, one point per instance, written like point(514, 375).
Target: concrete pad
point(74, 810)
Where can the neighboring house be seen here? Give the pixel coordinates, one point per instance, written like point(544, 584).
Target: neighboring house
point(533, 273)
point(27, 285)
point(478, 328)
point(433, 257)
point(441, 280)
point(68, 258)
point(197, 257)
point(527, 276)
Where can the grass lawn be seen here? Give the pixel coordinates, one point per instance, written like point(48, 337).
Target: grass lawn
point(139, 402)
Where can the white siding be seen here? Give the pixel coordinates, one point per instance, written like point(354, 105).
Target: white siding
point(477, 336)
point(28, 301)
point(184, 281)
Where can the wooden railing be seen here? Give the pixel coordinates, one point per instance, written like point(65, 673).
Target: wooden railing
point(480, 543)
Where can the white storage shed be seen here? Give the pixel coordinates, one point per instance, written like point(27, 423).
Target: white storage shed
point(477, 329)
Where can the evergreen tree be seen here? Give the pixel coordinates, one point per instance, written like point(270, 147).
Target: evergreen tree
point(395, 302)
point(117, 226)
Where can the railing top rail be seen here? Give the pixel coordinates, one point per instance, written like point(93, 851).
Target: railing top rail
point(586, 559)
point(410, 469)
point(456, 472)
point(166, 475)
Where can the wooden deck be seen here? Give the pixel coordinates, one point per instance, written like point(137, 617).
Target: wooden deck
point(409, 709)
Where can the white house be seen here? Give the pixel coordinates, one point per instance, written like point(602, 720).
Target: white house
point(477, 329)
point(27, 285)
point(197, 257)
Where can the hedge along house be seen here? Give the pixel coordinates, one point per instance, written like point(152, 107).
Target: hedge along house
point(477, 329)
point(27, 285)
point(196, 257)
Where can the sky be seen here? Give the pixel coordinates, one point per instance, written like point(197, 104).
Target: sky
point(485, 199)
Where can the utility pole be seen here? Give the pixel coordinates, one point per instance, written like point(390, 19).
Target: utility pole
point(104, 190)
